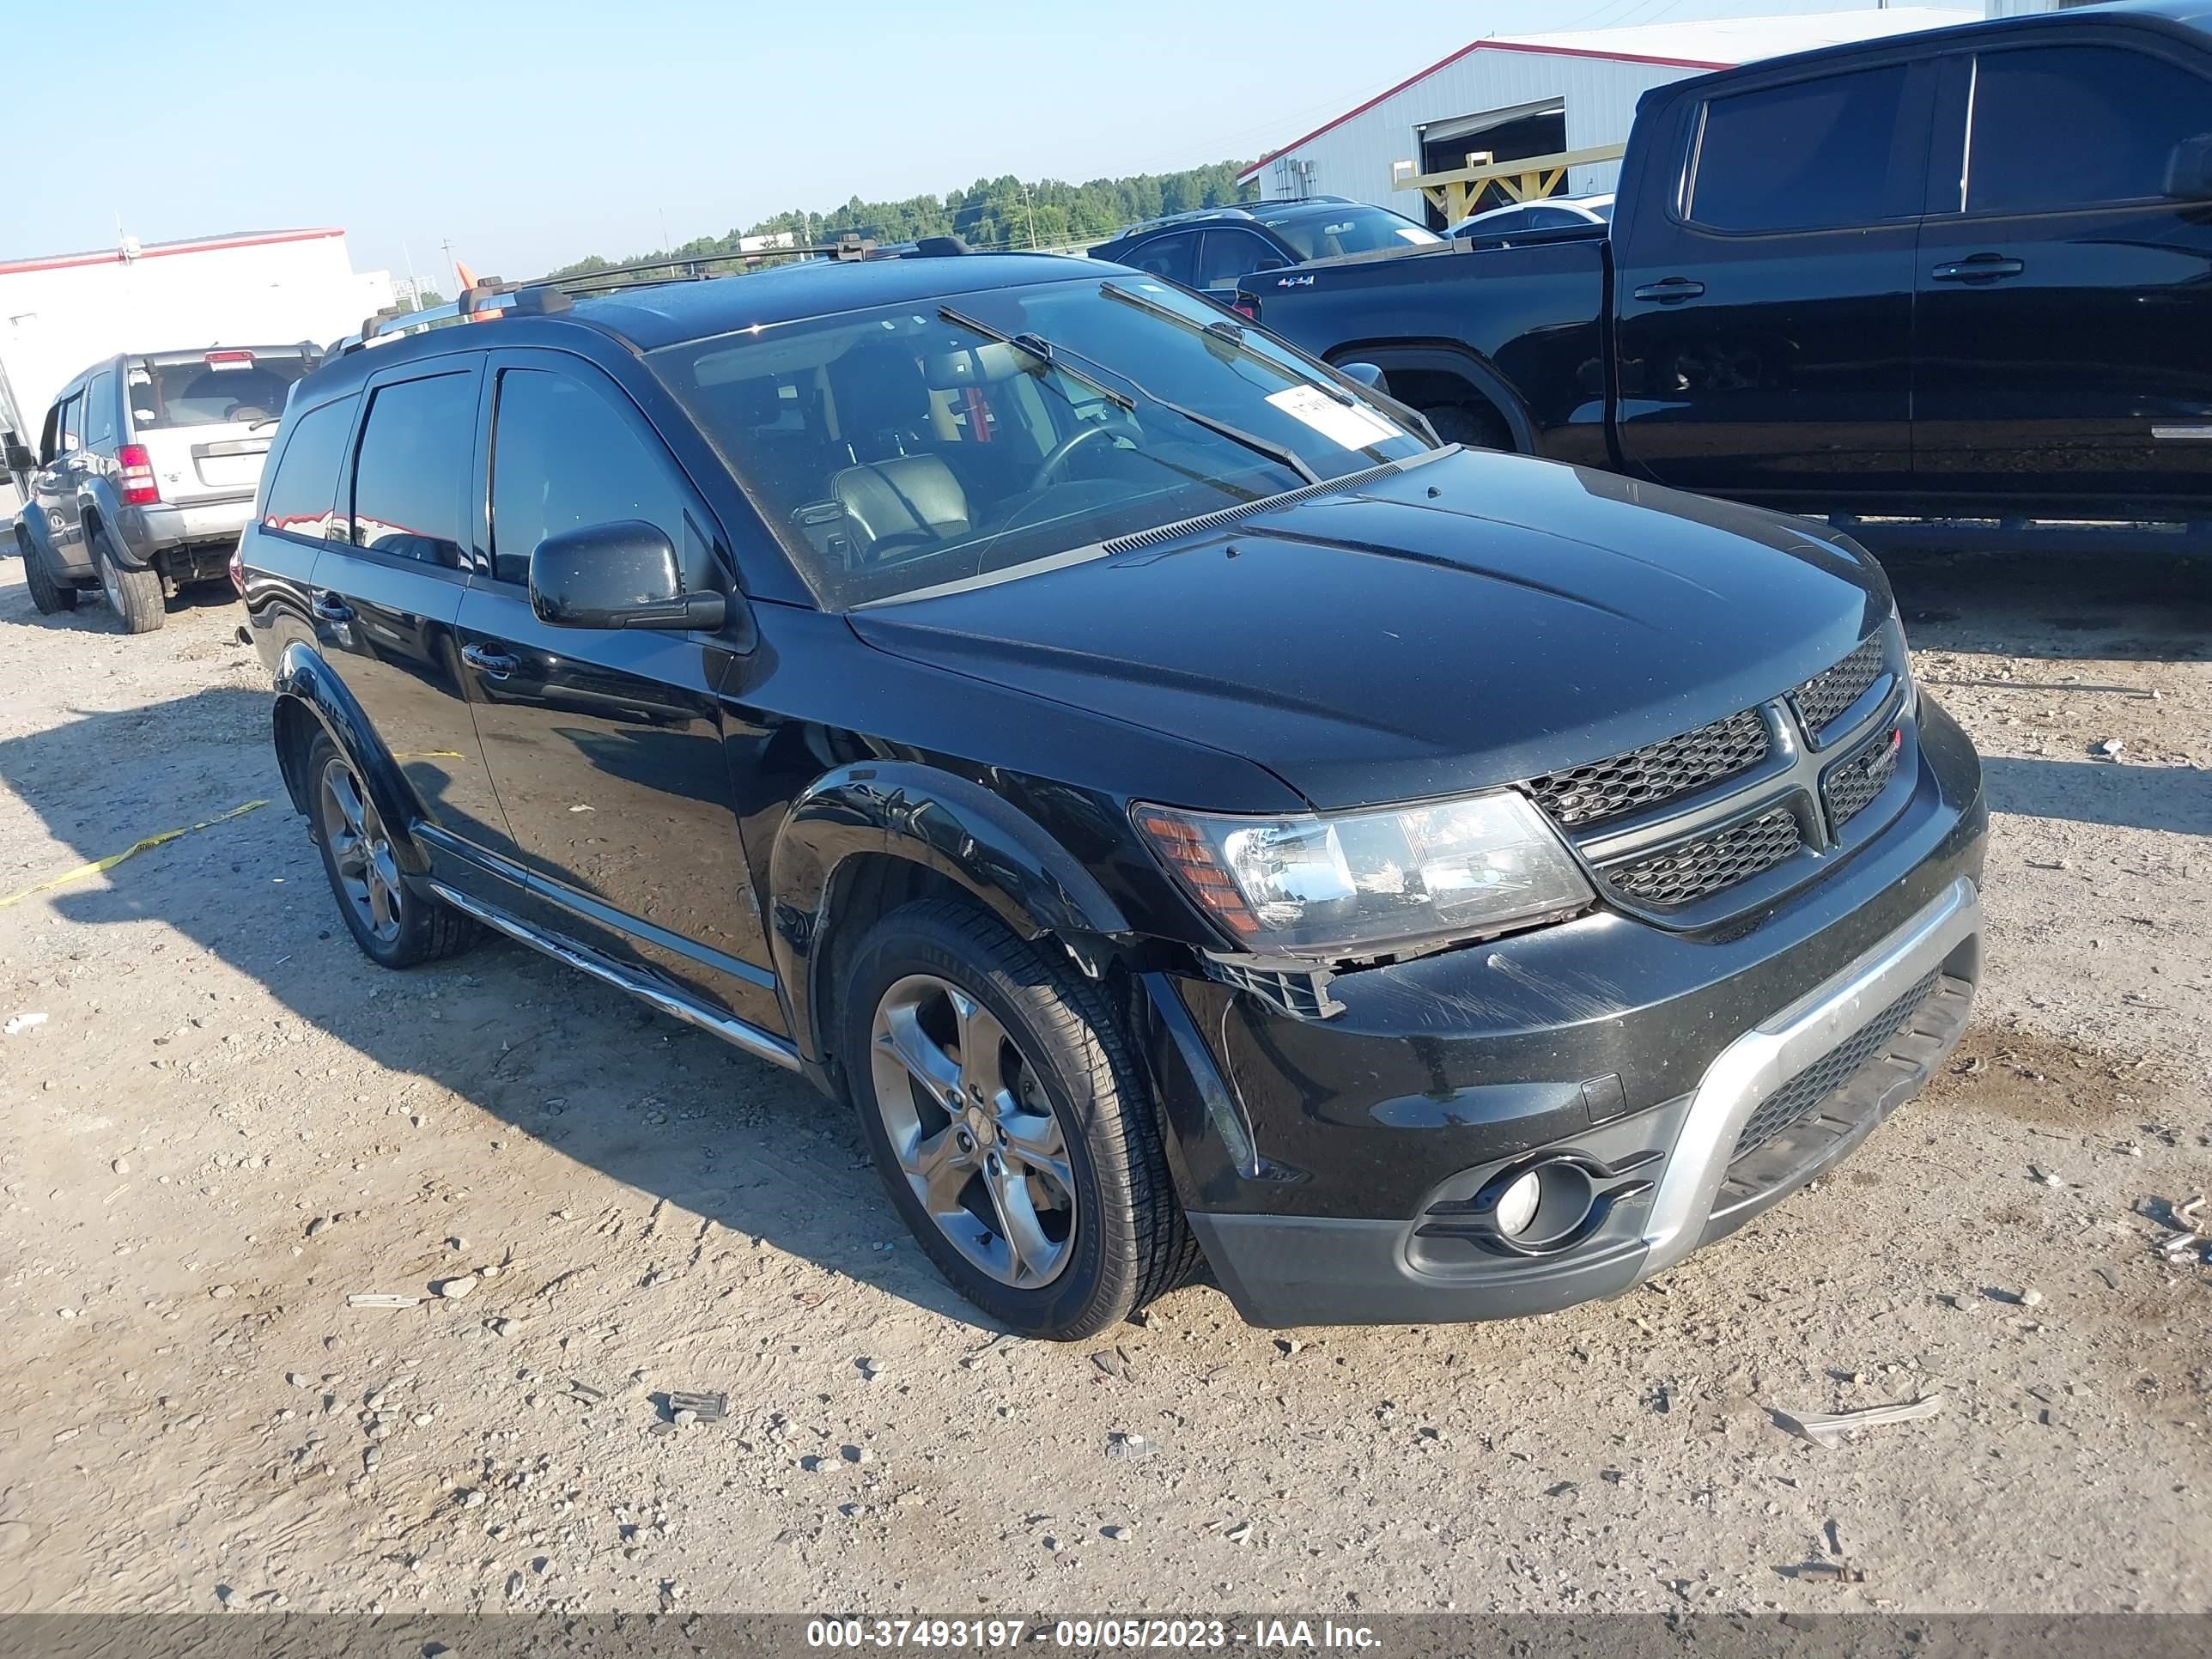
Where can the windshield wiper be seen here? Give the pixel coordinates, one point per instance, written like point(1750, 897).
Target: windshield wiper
point(1222, 330)
point(1051, 355)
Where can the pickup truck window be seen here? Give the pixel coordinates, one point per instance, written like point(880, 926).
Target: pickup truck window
point(2074, 126)
point(1022, 425)
point(1808, 155)
point(1355, 230)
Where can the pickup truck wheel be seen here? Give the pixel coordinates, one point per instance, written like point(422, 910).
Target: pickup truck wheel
point(49, 596)
point(1464, 423)
point(1010, 1128)
point(395, 926)
point(135, 596)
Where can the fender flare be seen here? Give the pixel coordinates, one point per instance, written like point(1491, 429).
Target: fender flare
point(305, 681)
point(98, 503)
point(1448, 357)
point(977, 840)
point(37, 534)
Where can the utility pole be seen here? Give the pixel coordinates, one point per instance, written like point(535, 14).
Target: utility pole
point(452, 269)
point(1029, 208)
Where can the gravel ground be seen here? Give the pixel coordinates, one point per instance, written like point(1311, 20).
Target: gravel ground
point(228, 1122)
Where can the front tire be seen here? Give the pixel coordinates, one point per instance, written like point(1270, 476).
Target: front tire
point(135, 596)
point(1008, 1123)
point(395, 926)
point(50, 597)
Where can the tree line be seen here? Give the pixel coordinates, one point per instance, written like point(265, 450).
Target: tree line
point(1005, 212)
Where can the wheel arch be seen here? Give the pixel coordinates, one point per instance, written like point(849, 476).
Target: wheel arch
point(310, 698)
point(1403, 359)
point(865, 837)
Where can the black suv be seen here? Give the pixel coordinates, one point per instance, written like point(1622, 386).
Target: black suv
point(1212, 249)
point(1187, 810)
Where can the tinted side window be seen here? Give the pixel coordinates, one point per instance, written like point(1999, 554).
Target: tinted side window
point(1806, 156)
point(72, 425)
point(2074, 126)
point(304, 483)
point(1175, 257)
point(1229, 254)
point(562, 458)
point(99, 411)
point(410, 476)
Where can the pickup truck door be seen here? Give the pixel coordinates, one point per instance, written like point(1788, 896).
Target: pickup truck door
point(1764, 281)
point(2064, 328)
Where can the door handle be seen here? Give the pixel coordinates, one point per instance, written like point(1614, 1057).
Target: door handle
point(330, 608)
point(492, 665)
point(1982, 267)
point(1671, 291)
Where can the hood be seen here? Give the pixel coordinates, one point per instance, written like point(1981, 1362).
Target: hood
point(1471, 620)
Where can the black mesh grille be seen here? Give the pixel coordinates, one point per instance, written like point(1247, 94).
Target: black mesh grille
point(1830, 692)
point(1699, 869)
point(1657, 772)
point(1854, 781)
point(1800, 1096)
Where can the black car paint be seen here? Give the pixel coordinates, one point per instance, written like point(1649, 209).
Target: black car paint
point(1830, 372)
point(1355, 649)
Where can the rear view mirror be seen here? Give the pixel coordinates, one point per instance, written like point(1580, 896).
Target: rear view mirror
point(1366, 373)
point(623, 575)
point(2188, 170)
point(1272, 262)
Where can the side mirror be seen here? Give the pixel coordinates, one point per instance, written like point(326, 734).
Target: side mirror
point(623, 575)
point(2188, 170)
point(20, 458)
point(1366, 373)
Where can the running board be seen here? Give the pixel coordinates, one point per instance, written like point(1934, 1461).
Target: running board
point(760, 1044)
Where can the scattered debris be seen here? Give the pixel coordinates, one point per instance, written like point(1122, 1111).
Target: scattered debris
point(1829, 1572)
point(1114, 1361)
point(2031, 1299)
point(586, 1393)
point(1128, 1448)
point(1827, 1429)
point(380, 1299)
point(2108, 749)
point(453, 1289)
point(18, 1024)
point(2174, 1246)
point(2045, 1177)
point(1239, 1533)
point(703, 1408)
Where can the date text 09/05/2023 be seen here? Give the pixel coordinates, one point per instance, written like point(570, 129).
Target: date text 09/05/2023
point(1087, 1634)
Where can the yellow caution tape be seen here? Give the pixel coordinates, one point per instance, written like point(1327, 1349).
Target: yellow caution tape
point(130, 852)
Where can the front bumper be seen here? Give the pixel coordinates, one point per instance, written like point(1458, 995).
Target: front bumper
point(148, 530)
point(1635, 1061)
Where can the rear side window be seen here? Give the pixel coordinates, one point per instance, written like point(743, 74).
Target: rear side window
point(1231, 254)
point(410, 476)
point(1175, 257)
point(304, 485)
point(224, 388)
point(1808, 156)
point(99, 410)
point(562, 458)
point(72, 424)
point(2076, 126)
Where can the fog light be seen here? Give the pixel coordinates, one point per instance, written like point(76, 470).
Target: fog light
point(1517, 1205)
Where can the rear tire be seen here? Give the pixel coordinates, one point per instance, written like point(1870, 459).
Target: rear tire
point(1050, 1135)
point(51, 598)
point(395, 926)
point(135, 596)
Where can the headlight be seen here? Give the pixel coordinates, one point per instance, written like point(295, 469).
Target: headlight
point(1373, 881)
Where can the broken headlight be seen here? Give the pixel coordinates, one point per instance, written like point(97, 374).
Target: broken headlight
point(1370, 883)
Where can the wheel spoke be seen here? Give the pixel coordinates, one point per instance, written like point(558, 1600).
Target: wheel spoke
point(938, 1168)
point(901, 1032)
point(350, 854)
point(982, 1039)
point(347, 798)
point(1030, 1250)
point(1033, 1139)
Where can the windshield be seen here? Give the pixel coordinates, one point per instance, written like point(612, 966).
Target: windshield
point(1353, 230)
point(225, 386)
point(900, 449)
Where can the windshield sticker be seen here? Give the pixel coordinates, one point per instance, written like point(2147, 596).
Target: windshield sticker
point(1348, 424)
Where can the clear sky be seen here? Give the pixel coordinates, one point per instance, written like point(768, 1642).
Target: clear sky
point(549, 130)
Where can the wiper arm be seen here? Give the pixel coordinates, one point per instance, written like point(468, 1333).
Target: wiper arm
point(1043, 350)
point(1221, 329)
point(1052, 356)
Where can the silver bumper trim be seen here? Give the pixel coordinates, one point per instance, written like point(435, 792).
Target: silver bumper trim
point(1765, 1057)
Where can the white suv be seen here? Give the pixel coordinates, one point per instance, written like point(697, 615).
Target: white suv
point(145, 474)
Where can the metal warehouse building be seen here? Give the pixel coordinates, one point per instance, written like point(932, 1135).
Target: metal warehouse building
point(1514, 96)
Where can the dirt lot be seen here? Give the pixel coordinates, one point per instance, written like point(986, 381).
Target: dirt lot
point(228, 1121)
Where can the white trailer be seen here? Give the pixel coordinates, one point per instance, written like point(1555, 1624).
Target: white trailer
point(60, 313)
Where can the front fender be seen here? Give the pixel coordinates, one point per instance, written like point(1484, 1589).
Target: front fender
point(1449, 357)
point(37, 529)
point(308, 688)
point(998, 854)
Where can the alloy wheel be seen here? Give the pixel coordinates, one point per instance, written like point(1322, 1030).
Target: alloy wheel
point(361, 851)
point(968, 1121)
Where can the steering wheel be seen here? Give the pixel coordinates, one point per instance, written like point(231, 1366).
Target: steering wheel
point(898, 547)
point(1055, 462)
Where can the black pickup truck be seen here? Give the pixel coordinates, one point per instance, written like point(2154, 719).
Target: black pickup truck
point(1961, 275)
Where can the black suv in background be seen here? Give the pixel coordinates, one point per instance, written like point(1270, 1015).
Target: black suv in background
point(1182, 807)
point(1213, 249)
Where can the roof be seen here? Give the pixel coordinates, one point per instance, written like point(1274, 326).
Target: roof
point(110, 256)
point(667, 313)
point(1713, 44)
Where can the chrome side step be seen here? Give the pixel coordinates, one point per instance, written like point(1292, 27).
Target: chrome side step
point(762, 1044)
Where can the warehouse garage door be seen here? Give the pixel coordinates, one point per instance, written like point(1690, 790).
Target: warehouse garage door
point(1508, 135)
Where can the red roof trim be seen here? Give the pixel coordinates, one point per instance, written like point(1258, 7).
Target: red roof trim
point(162, 250)
point(1446, 62)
